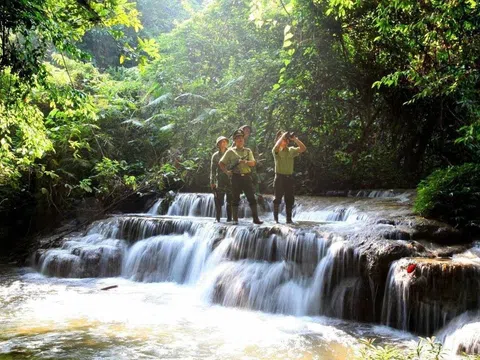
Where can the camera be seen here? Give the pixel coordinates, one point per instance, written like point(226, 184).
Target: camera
point(289, 135)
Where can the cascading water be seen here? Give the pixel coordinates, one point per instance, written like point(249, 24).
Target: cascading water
point(155, 208)
point(273, 269)
point(318, 267)
point(415, 297)
point(462, 334)
point(203, 205)
point(192, 205)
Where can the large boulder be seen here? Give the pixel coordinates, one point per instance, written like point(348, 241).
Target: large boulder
point(423, 294)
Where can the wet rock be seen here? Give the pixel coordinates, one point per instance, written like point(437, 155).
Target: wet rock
point(433, 230)
point(449, 251)
point(376, 257)
point(397, 234)
point(379, 255)
point(220, 235)
point(385, 221)
point(88, 209)
point(60, 265)
point(448, 235)
point(437, 290)
point(351, 299)
point(336, 193)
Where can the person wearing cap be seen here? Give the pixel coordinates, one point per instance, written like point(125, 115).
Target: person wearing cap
point(247, 130)
point(238, 162)
point(284, 184)
point(220, 182)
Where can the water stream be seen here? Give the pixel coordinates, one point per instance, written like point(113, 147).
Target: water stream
point(72, 318)
point(186, 287)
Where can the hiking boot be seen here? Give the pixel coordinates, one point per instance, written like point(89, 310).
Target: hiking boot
point(255, 217)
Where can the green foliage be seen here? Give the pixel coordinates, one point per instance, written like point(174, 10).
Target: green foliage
point(422, 59)
point(210, 79)
point(29, 27)
point(381, 92)
point(470, 138)
point(452, 194)
point(426, 349)
point(111, 178)
point(55, 115)
point(23, 139)
point(160, 16)
point(172, 176)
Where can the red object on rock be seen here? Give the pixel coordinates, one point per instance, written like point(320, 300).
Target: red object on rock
point(411, 268)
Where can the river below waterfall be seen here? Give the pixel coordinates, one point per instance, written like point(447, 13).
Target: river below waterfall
point(54, 318)
point(184, 287)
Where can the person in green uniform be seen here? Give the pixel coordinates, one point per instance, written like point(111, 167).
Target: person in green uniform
point(247, 130)
point(238, 162)
point(284, 184)
point(220, 182)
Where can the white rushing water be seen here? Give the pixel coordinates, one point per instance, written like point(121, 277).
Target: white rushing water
point(186, 287)
point(406, 304)
point(58, 318)
point(292, 271)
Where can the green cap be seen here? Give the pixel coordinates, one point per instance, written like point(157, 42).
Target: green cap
point(238, 133)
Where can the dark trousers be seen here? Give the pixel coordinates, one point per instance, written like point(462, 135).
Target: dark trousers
point(284, 185)
point(220, 196)
point(243, 184)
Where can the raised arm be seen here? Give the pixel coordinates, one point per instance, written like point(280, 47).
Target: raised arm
point(276, 147)
point(300, 144)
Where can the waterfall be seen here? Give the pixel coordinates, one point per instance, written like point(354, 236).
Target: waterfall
point(374, 193)
point(203, 205)
point(335, 290)
point(275, 269)
point(330, 213)
point(424, 299)
point(380, 193)
point(154, 209)
point(178, 258)
point(94, 256)
point(462, 334)
point(291, 287)
point(334, 264)
point(193, 205)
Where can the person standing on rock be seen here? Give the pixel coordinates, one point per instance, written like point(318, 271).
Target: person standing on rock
point(247, 130)
point(220, 182)
point(237, 162)
point(284, 183)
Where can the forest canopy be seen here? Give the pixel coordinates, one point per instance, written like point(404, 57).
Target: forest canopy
point(105, 98)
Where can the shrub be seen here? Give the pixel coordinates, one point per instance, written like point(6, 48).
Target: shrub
point(426, 349)
point(452, 195)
